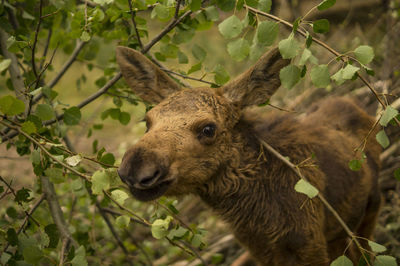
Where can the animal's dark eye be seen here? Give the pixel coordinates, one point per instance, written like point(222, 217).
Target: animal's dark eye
point(208, 130)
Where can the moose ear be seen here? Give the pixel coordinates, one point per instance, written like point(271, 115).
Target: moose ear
point(259, 83)
point(146, 79)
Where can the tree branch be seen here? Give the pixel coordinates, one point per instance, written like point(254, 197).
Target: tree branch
point(55, 210)
point(15, 74)
point(167, 29)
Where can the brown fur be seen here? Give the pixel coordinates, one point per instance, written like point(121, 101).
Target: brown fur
point(251, 189)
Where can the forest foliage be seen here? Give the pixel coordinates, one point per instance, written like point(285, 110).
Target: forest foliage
point(78, 212)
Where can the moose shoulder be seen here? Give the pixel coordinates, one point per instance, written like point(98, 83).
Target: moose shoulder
point(205, 141)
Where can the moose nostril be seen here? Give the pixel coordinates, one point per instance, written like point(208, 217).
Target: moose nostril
point(148, 181)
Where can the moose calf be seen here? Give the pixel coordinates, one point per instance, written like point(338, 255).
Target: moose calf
point(205, 141)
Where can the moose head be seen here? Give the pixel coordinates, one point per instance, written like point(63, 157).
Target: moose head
point(189, 133)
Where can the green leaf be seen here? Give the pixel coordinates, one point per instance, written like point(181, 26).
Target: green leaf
point(289, 47)
point(85, 36)
point(119, 196)
point(53, 234)
point(159, 228)
point(12, 237)
point(264, 5)
point(221, 75)
point(195, 68)
point(32, 254)
point(169, 50)
point(267, 31)
point(56, 175)
point(217, 258)
point(385, 260)
point(124, 118)
point(239, 49)
point(383, 139)
point(72, 116)
point(122, 221)
point(195, 5)
point(182, 58)
point(80, 257)
point(74, 160)
point(5, 257)
point(388, 115)
point(100, 182)
point(4, 64)
point(196, 241)
point(28, 127)
point(12, 212)
point(304, 187)
point(178, 233)
point(161, 11)
point(305, 56)
point(375, 247)
point(342, 261)
point(321, 26)
point(345, 74)
point(108, 158)
point(226, 5)
point(326, 4)
point(396, 174)
point(355, 165)
point(364, 54)
point(23, 195)
point(289, 76)
point(45, 112)
point(9, 105)
point(256, 51)
point(212, 13)
point(309, 40)
point(320, 76)
point(198, 52)
point(230, 27)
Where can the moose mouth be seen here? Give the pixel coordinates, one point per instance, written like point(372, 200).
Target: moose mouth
point(151, 193)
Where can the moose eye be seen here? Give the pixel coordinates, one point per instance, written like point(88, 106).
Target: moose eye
point(208, 130)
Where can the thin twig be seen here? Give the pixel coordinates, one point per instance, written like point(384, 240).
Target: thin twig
point(167, 29)
point(133, 14)
point(35, 40)
point(64, 247)
point(178, 6)
point(15, 196)
point(113, 231)
point(88, 100)
point(188, 77)
point(45, 150)
point(32, 210)
point(46, 47)
point(297, 171)
point(63, 70)
point(126, 209)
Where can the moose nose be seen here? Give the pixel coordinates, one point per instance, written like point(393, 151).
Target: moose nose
point(147, 176)
point(143, 176)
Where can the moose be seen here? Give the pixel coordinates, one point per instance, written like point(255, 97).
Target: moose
point(206, 141)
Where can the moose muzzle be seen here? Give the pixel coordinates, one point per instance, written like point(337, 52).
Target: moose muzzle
point(145, 173)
